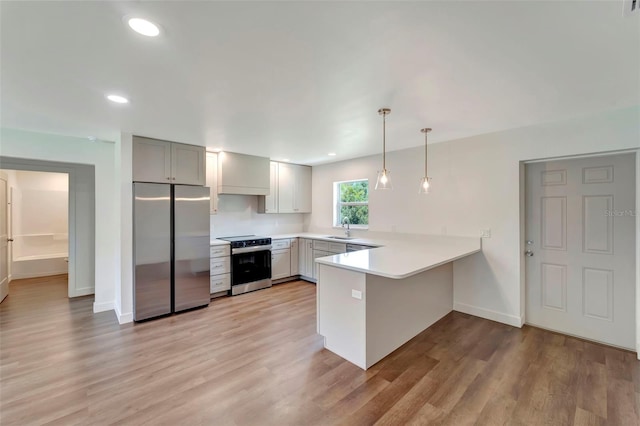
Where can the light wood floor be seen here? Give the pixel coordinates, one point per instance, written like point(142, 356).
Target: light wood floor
point(255, 359)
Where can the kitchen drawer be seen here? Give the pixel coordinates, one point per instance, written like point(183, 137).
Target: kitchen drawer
point(219, 251)
point(219, 283)
point(320, 245)
point(219, 265)
point(338, 248)
point(280, 244)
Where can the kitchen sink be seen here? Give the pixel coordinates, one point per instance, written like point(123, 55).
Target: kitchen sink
point(335, 237)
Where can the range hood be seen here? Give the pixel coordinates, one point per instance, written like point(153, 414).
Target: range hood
point(243, 174)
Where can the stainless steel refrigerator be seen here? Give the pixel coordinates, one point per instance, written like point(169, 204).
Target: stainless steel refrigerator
point(171, 249)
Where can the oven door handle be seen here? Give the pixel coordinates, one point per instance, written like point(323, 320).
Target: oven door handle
point(250, 249)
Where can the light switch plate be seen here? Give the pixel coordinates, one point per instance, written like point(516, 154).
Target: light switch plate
point(356, 294)
point(485, 233)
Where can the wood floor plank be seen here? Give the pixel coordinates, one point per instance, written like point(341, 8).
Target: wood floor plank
point(256, 359)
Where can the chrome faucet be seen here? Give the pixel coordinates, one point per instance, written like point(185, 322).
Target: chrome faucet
point(347, 232)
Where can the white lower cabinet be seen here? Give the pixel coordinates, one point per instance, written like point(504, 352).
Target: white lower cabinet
point(220, 283)
point(219, 269)
point(280, 264)
point(305, 258)
point(295, 266)
point(317, 254)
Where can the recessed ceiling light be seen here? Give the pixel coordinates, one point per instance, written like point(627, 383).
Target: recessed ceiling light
point(144, 27)
point(118, 99)
point(331, 154)
point(286, 160)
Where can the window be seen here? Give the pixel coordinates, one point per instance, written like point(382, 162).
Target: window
point(351, 201)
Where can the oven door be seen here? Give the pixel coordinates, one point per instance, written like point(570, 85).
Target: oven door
point(250, 267)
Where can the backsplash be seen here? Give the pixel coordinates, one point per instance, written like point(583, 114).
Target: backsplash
point(237, 215)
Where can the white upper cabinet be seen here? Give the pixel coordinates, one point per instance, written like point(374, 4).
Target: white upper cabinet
point(188, 164)
point(167, 162)
point(151, 160)
point(302, 192)
point(212, 180)
point(270, 202)
point(290, 190)
point(286, 188)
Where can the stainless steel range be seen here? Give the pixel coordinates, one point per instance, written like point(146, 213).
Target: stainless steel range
point(250, 263)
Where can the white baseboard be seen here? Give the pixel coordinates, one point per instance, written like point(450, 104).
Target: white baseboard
point(102, 307)
point(86, 291)
point(123, 318)
point(512, 320)
point(638, 349)
point(24, 275)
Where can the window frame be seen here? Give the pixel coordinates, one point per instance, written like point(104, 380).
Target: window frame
point(337, 203)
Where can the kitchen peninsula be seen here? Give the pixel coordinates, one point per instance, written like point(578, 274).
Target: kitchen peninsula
point(371, 302)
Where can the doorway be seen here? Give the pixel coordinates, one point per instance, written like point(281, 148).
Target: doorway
point(38, 223)
point(80, 243)
point(580, 248)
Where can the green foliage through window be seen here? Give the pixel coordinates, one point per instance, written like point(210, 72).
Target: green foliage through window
point(352, 202)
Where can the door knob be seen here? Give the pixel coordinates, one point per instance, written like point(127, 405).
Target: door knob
point(528, 253)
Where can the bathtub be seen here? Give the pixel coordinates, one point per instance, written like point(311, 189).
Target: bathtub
point(39, 255)
point(39, 265)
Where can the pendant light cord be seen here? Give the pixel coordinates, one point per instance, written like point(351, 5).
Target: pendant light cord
point(425, 154)
point(384, 142)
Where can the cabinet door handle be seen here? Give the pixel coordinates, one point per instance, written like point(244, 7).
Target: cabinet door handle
point(168, 178)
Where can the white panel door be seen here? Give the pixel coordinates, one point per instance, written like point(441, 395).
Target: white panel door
point(4, 239)
point(580, 233)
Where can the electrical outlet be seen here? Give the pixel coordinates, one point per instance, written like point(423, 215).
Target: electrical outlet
point(356, 294)
point(485, 233)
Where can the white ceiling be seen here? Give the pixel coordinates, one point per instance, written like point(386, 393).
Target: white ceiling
point(299, 79)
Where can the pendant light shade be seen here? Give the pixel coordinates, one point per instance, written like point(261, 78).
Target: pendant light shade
point(384, 178)
point(425, 182)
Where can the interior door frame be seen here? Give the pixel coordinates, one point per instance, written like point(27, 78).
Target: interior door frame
point(7, 210)
point(75, 287)
point(523, 218)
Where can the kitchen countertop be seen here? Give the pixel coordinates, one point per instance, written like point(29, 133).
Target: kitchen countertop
point(217, 242)
point(401, 259)
point(392, 258)
point(325, 237)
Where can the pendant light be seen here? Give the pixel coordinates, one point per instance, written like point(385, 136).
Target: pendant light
point(425, 182)
point(384, 180)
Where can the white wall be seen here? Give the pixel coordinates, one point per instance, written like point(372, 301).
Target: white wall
point(35, 233)
point(237, 215)
point(476, 184)
point(124, 287)
point(101, 155)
